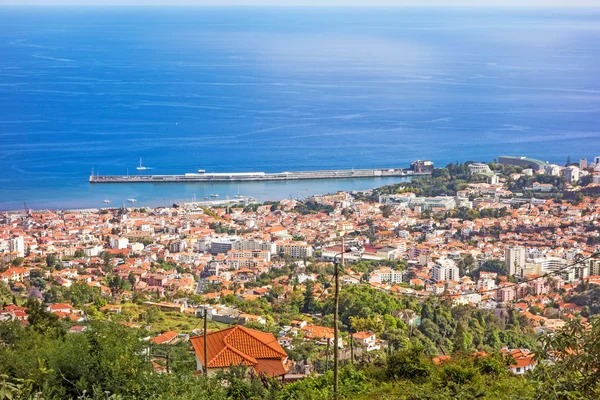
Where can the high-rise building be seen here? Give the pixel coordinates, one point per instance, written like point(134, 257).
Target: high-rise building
point(17, 245)
point(583, 163)
point(597, 160)
point(445, 269)
point(571, 174)
point(514, 257)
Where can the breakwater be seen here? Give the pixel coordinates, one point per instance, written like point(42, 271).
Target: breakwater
point(202, 176)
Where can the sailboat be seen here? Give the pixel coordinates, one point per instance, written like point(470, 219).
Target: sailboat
point(141, 167)
point(238, 195)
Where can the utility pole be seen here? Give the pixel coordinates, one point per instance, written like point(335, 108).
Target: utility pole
point(327, 357)
point(351, 346)
point(168, 362)
point(336, 332)
point(205, 342)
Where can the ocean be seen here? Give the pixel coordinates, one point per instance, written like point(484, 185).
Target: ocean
point(282, 89)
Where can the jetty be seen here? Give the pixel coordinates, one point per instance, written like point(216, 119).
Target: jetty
point(204, 177)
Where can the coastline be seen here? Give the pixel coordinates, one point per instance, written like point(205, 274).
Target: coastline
point(90, 196)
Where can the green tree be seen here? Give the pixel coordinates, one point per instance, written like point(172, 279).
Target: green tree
point(308, 304)
point(408, 364)
point(39, 318)
point(17, 262)
point(117, 285)
point(51, 260)
point(569, 363)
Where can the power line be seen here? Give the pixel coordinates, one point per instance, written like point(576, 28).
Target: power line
point(448, 295)
point(548, 274)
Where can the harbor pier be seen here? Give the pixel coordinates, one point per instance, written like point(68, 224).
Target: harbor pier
point(203, 177)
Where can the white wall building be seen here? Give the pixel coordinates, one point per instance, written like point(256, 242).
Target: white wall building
point(252, 244)
point(294, 249)
point(479, 168)
point(487, 281)
point(118, 242)
point(514, 257)
point(571, 174)
point(17, 245)
point(385, 275)
point(222, 244)
point(552, 169)
point(93, 251)
point(445, 269)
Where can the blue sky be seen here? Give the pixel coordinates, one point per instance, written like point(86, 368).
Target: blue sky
point(527, 3)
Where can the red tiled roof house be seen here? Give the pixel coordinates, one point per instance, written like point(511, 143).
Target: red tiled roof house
point(240, 346)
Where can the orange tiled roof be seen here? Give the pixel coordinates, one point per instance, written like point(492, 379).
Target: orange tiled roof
point(165, 337)
point(242, 346)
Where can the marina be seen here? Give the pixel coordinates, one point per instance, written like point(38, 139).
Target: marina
point(203, 176)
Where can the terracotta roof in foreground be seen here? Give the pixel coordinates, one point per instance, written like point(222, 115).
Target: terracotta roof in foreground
point(242, 346)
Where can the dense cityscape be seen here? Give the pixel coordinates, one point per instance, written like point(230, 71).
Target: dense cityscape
point(468, 273)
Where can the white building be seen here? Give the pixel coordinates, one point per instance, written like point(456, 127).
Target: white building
point(514, 257)
point(302, 277)
point(93, 251)
point(479, 168)
point(445, 269)
point(385, 275)
point(550, 264)
point(136, 247)
point(571, 174)
point(366, 339)
point(222, 244)
point(428, 203)
point(252, 244)
point(596, 179)
point(178, 246)
point(118, 242)
point(294, 249)
point(17, 245)
point(552, 169)
point(487, 281)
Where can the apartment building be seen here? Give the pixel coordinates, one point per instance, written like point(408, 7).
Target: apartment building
point(444, 269)
point(514, 257)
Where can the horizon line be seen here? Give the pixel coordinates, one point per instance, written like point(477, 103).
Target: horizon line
point(361, 6)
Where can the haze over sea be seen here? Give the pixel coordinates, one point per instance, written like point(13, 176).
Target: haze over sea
point(282, 89)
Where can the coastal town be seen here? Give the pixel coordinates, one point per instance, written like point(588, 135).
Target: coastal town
point(516, 240)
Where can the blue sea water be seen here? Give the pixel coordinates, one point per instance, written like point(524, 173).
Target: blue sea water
point(280, 89)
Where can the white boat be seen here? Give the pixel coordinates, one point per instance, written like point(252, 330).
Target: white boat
point(214, 195)
point(107, 201)
point(238, 195)
point(141, 167)
point(131, 200)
